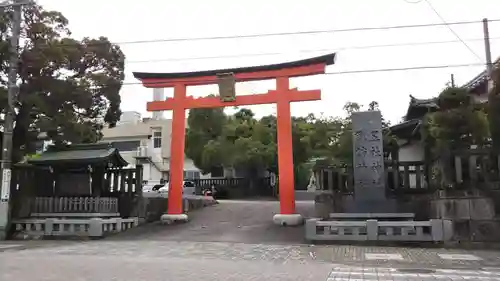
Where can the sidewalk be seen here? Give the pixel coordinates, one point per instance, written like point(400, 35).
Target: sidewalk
point(406, 256)
point(339, 273)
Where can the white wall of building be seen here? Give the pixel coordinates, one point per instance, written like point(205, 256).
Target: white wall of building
point(413, 151)
point(151, 173)
point(129, 117)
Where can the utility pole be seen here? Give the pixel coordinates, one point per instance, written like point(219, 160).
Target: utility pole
point(493, 101)
point(9, 116)
point(487, 48)
point(452, 81)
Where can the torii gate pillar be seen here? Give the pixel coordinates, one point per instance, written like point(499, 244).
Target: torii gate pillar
point(282, 97)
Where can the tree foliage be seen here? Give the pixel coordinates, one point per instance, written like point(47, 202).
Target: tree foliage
point(459, 122)
point(243, 142)
point(68, 88)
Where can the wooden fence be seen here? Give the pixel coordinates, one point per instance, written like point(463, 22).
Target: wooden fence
point(463, 169)
point(64, 205)
point(409, 178)
point(473, 167)
point(237, 187)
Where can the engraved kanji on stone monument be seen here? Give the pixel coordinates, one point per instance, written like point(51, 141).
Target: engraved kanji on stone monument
point(368, 161)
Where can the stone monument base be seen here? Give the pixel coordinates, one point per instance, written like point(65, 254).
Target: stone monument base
point(371, 206)
point(288, 219)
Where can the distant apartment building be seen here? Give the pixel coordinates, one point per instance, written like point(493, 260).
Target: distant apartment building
point(146, 141)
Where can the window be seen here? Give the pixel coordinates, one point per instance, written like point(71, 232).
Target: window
point(126, 145)
point(191, 175)
point(157, 139)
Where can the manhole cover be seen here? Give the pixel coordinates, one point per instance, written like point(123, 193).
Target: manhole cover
point(416, 270)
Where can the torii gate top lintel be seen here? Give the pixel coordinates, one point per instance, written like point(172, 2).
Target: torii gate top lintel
point(305, 67)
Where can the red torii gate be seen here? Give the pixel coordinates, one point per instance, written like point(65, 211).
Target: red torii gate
point(282, 96)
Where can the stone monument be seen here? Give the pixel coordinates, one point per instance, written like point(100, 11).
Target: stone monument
point(368, 164)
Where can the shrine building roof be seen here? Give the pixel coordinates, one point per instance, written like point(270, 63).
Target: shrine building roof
point(102, 154)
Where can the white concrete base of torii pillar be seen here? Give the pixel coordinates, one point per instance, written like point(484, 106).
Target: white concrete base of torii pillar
point(288, 219)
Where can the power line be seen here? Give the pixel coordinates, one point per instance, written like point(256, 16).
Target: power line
point(363, 71)
point(259, 35)
point(452, 31)
point(308, 51)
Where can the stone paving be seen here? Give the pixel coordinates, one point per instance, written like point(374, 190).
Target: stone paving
point(229, 221)
point(235, 240)
point(406, 256)
point(340, 273)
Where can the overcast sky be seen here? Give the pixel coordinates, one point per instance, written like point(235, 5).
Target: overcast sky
point(126, 20)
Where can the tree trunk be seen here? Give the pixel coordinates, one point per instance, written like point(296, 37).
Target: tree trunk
point(20, 134)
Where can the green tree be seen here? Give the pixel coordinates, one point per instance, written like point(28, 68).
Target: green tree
point(205, 127)
point(459, 122)
point(248, 144)
point(67, 88)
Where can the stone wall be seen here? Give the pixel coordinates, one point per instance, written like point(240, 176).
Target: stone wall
point(473, 214)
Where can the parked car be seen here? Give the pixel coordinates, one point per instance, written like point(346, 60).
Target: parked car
point(188, 187)
point(151, 188)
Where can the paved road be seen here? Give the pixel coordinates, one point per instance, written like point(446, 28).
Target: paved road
point(228, 221)
point(234, 240)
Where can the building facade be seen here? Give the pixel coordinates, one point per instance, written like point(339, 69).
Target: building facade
point(146, 141)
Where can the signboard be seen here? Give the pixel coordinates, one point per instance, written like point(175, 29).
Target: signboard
point(6, 176)
point(227, 91)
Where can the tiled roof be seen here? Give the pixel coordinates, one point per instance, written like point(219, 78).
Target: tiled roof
point(480, 78)
point(80, 155)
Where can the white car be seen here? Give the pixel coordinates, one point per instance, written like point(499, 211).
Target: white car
point(188, 188)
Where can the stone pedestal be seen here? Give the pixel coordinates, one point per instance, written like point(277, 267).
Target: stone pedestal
point(372, 206)
point(288, 219)
point(170, 218)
